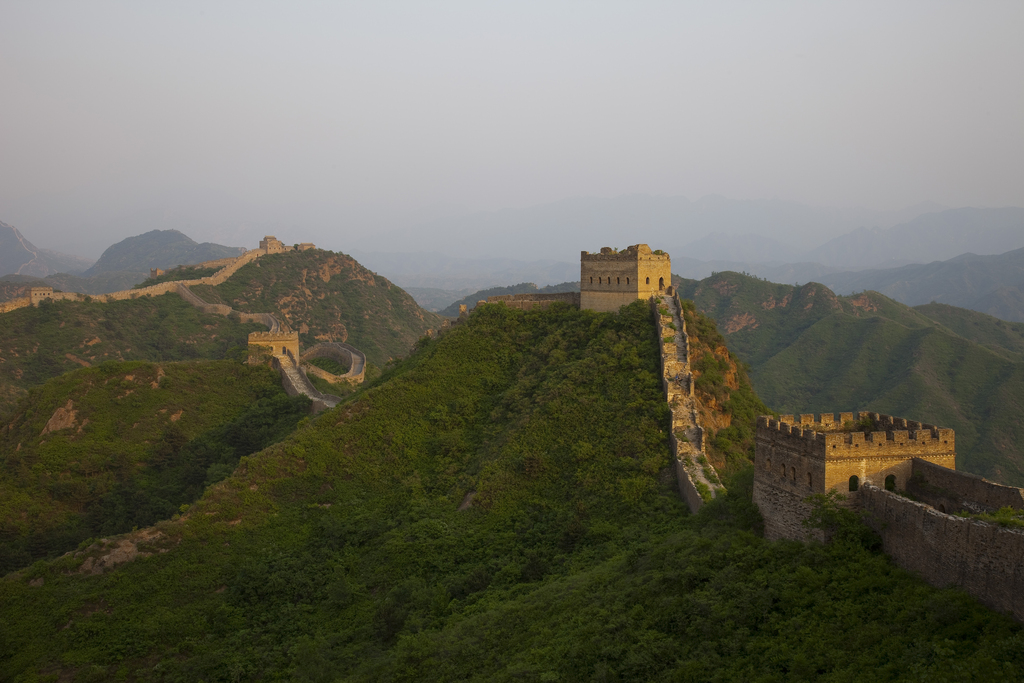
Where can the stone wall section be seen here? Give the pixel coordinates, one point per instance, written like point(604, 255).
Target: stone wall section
point(612, 279)
point(344, 353)
point(984, 559)
point(697, 478)
point(529, 301)
point(949, 491)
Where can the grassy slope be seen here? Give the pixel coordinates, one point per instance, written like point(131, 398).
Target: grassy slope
point(1005, 338)
point(328, 296)
point(341, 553)
point(143, 440)
point(37, 344)
point(811, 351)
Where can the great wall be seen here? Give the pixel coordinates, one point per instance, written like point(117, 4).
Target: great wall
point(900, 474)
point(284, 354)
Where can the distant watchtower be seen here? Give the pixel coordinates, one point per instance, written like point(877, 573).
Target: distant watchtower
point(612, 279)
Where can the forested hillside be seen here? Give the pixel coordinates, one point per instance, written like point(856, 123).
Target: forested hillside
point(812, 351)
point(327, 296)
point(102, 450)
point(499, 506)
point(37, 344)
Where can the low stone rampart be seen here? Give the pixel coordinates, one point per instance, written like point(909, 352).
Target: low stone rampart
point(961, 490)
point(15, 304)
point(530, 300)
point(984, 559)
point(341, 352)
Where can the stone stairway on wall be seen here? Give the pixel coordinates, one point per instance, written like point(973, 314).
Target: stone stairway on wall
point(698, 480)
point(296, 382)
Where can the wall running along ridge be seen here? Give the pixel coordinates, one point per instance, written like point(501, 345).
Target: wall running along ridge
point(698, 480)
point(286, 360)
point(528, 301)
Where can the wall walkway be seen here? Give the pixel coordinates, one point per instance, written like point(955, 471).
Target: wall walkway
point(698, 481)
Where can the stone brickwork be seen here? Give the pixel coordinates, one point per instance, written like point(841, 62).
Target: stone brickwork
point(984, 559)
point(612, 279)
point(950, 491)
point(795, 458)
point(279, 343)
point(528, 301)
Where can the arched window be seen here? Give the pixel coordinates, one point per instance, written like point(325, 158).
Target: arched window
point(618, 281)
point(591, 280)
point(648, 280)
point(627, 280)
point(809, 483)
point(598, 279)
point(854, 482)
point(890, 482)
point(792, 473)
point(661, 283)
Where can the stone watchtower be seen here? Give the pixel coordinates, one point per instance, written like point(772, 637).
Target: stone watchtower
point(612, 279)
point(274, 344)
point(794, 460)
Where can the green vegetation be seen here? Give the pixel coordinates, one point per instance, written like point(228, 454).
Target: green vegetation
point(37, 344)
point(722, 381)
point(179, 273)
point(328, 296)
point(1004, 338)
point(101, 450)
point(494, 508)
point(812, 351)
point(1006, 516)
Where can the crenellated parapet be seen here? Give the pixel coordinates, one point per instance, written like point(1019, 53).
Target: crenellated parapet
point(825, 437)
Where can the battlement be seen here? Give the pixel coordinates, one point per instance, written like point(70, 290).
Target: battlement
point(635, 252)
point(271, 245)
point(823, 437)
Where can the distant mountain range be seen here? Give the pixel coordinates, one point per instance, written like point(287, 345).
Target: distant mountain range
point(989, 284)
point(18, 256)
point(121, 266)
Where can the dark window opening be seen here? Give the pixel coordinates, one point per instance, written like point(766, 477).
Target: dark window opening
point(591, 280)
point(890, 482)
point(792, 473)
point(809, 482)
point(648, 280)
point(618, 281)
point(627, 280)
point(854, 482)
point(661, 283)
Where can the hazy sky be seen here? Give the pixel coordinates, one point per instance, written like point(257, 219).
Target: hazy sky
point(398, 111)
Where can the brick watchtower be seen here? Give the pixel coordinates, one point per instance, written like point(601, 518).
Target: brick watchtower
point(794, 460)
point(612, 279)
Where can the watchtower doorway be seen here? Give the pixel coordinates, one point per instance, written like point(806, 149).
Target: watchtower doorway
point(661, 283)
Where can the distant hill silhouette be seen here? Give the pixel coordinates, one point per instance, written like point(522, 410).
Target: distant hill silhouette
point(158, 249)
point(989, 284)
point(18, 256)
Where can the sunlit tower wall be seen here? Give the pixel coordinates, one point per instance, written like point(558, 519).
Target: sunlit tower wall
point(612, 279)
